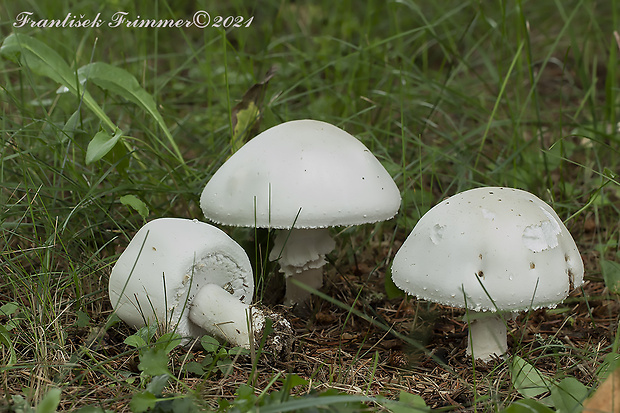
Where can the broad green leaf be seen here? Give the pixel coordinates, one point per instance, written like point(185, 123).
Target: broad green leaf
point(49, 402)
point(83, 319)
point(527, 406)
point(43, 60)
point(611, 275)
point(157, 384)
point(298, 404)
point(135, 341)
point(169, 341)
point(135, 203)
point(292, 380)
point(141, 402)
point(568, 395)
point(193, 367)
point(119, 81)
point(154, 362)
point(101, 144)
point(407, 403)
point(92, 409)
point(9, 309)
point(413, 400)
point(209, 343)
point(526, 379)
point(40, 58)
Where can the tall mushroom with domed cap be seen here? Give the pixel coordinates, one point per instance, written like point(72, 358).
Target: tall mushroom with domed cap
point(190, 277)
point(301, 177)
point(491, 250)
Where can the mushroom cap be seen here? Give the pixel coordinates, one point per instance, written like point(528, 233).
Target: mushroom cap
point(504, 239)
point(165, 264)
point(301, 174)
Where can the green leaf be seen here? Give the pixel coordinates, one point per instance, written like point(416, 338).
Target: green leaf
point(135, 203)
point(43, 60)
point(83, 320)
point(193, 367)
point(407, 403)
point(568, 395)
point(38, 57)
point(245, 120)
point(526, 379)
point(245, 116)
point(611, 275)
point(154, 362)
point(49, 403)
point(293, 380)
point(527, 406)
point(9, 309)
point(157, 384)
point(169, 341)
point(209, 343)
point(121, 82)
point(92, 409)
point(413, 400)
point(135, 341)
point(101, 144)
point(141, 402)
point(68, 130)
point(298, 404)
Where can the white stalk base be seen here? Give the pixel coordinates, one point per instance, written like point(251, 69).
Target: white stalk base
point(224, 316)
point(301, 254)
point(487, 337)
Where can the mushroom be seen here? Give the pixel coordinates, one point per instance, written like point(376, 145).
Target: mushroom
point(301, 177)
point(493, 250)
point(190, 277)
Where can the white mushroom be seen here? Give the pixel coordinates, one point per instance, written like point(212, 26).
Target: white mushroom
point(190, 277)
point(301, 177)
point(489, 249)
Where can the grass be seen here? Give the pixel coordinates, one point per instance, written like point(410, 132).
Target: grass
point(448, 96)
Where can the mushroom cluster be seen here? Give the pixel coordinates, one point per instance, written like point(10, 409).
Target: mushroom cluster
point(493, 250)
point(301, 177)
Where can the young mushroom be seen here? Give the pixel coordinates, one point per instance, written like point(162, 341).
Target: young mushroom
point(301, 177)
point(494, 250)
point(190, 277)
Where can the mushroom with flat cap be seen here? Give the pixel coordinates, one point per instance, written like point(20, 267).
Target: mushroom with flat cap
point(190, 277)
point(491, 250)
point(301, 177)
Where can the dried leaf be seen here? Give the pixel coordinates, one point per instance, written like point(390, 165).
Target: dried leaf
point(246, 114)
point(606, 398)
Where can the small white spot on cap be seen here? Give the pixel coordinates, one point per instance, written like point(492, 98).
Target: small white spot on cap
point(488, 214)
point(437, 233)
point(542, 236)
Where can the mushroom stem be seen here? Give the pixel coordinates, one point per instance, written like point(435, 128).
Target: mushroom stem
point(487, 336)
point(222, 315)
point(301, 255)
